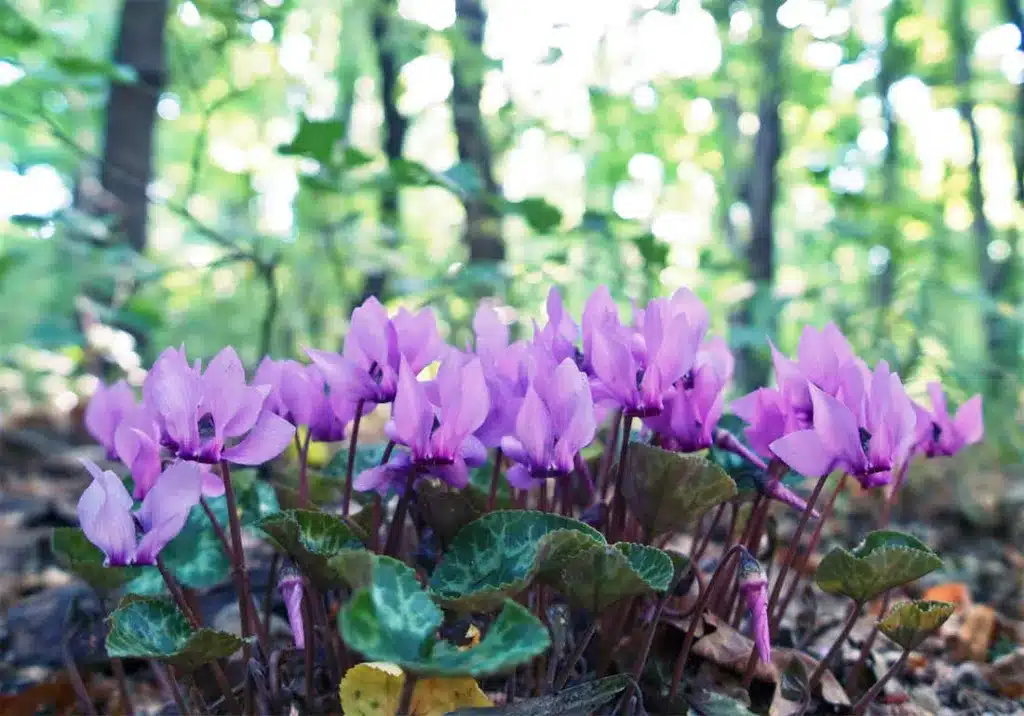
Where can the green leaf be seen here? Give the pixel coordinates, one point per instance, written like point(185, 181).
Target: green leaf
point(79, 66)
point(582, 700)
point(465, 178)
point(514, 638)
point(600, 575)
point(705, 702)
point(311, 538)
point(315, 139)
point(909, 623)
point(542, 216)
point(496, 556)
point(146, 628)
point(668, 490)
point(885, 559)
point(75, 552)
point(446, 509)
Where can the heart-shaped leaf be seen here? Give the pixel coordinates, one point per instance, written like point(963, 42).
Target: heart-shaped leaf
point(446, 509)
point(75, 552)
point(375, 689)
point(600, 575)
point(668, 490)
point(499, 554)
point(582, 700)
point(148, 628)
point(909, 623)
point(311, 538)
point(394, 620)
point(885, 559)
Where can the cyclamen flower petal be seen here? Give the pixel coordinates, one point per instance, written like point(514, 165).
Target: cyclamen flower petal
point(165, 510)
point(418, 340)
point(137, 447)
point(104, 513)
point(107, 408)
point(292, 586)
point(560, 334)
point(939, 434)
point(173, 390)
point(267, 439)
point(412, 417)
point(463, 407)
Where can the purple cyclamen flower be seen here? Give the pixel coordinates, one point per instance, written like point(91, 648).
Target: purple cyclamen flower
point(560, 334)
point(198, 412)
point(754, 587)
point(107, 408)
point(137, 442)
point(439, 435)
point(367, 369)
point(292, 585)
point(638, 369)
point(556, 420)
point(688, 421)
point(940, 434)
point(504, 374)
point(105, 513)
point(766, 414)
point(871, 448)
point(298, 393)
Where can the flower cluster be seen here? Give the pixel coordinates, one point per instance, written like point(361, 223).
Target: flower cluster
point(831, 411)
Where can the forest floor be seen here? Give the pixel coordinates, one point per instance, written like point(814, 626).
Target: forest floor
point(974, 666)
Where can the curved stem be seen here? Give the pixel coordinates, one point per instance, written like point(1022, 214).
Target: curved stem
point(238, 564)
point(698, 611)
point(122, 684)
point(819, 670)
point(783, 604)
point(495, 474)
point(864, 701)
point(353, 442)
point(794, 543)
point(862, 658)
point(574, 657)
point(606, 455)
point(394, 541)
point(303, 470)
point(617, 521)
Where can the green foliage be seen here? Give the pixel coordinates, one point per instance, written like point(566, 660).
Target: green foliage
point(599, 575)
point(146, 628)
point(885, 559)
point(394, 620)
point(499, 555)
point(582, 700)
point(668, 490)
point(75, 552)
point(311, 538)
point(910, 623)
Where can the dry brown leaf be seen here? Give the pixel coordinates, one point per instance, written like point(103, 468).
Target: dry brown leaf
point(976, 633)
point(1006, 674)
point(57, 696)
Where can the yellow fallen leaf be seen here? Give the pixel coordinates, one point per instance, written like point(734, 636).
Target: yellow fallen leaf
point(374, 688)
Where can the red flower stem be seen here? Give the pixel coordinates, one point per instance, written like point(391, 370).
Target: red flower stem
point(77, 684)
point(169, 683)
point(723, 603)
point(394, 542)
point(695, 618)
point(819, 670)
point(353, 442)
point(309, 648)
point(122, 686)
point(179, 598)
point(542, 496)
point(238, 566)
point(405, 698)
point(784, 602)
point(864, 701)
point(618, 512)
point(303, 470)
point(574, 657)
point(891, 498)
point(865, 650)
point(492, 494)
point(261, 632)
point(727, 441)
point(606, 456)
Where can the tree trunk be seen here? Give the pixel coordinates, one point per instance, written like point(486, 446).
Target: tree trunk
point(758, 311)
point(1002, 334)
point(482, 233)
point(131, 116)
point(1015, 15)
point(395, 127)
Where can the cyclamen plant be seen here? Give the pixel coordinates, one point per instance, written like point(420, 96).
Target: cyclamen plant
point(530, 495)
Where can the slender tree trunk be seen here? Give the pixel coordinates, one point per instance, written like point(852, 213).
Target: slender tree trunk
point(1015, 15)
point(885, 283)
point(395, 127)
point(482, 233)
point(752, 366)
point(131, 116)
point(1002, 335)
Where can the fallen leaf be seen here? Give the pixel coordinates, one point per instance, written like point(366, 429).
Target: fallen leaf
point(57, 695)
point(954, 592)
point(976, 633)
point(374, 689)
point(1006, 674)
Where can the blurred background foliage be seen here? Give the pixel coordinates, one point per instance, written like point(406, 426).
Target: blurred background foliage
point(246, 171)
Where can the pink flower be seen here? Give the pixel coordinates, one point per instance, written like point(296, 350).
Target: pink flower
point(107, 408)
point(754, 588)
point(939, 434)
point(292, 585)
